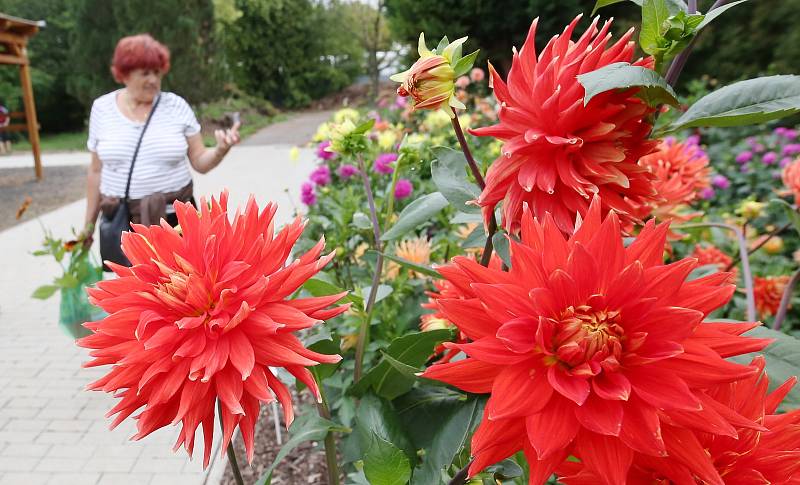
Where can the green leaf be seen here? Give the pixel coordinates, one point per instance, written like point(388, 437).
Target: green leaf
point(744, 103)
point(405, 369)
point(67, 280)
point(449, 174)
point(376, 416)
point(323, 371)
point(783, 361)
point(475, 239)
point(415, 213)
point(716, 13)
point(412, 350)
point(386, 464)
point(308, 427)
point(622, 75)
point(465, 63)
point(364, 127)
point(44, 292)
point(501, 247)
point(361, 221)
point(654, 14)
point(791, 212)
point(318, 287)
point(412, 266)
point(674, 6)
point(505, 470)
point(383, 292)
point(440, 422)
point(604, 3)
point(442, 44)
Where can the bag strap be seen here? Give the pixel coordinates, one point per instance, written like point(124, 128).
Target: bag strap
point(139, 144)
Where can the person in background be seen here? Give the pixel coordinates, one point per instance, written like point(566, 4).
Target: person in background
point(161, 173)
point(5, 136)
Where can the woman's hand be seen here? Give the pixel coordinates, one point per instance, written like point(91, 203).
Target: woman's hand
point(227, 138)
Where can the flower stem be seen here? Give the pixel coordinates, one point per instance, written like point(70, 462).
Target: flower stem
point(476, 172)
point(363, 333)
point(390, 195)
point(237, 474)
point(785, 301)
point(330, 440)
point(460, 478)
point(743, 255)
point(677, 65)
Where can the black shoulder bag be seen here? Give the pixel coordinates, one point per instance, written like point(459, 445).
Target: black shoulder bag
point(111, 228)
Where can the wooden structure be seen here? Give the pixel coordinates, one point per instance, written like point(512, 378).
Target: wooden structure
point(14, 35)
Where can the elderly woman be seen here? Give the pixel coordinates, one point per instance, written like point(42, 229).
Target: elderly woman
point(160, 174)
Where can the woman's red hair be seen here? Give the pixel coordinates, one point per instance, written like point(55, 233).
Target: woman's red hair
point(139, 52)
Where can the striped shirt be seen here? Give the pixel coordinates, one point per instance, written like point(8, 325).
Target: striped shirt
point(161, 165)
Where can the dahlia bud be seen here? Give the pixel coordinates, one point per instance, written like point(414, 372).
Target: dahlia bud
point(750, 209)
point(431, 80)
point(774, 245)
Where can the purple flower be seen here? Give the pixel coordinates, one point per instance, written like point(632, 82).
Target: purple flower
point(322, 153)
point(346, 171)
point(790, 134)
point(769, 158)
point(321, 175)
point(791, 149)
point(403, 189)
point(693, 140)
point(744, 157)
point(745, 168)
point(758, 148)
point(751, 140)
point(779, 131)
point(307, 195)
point(400, 102)
point(707, 193)
point(720, 182)
point(383, 164)
point(785, 161)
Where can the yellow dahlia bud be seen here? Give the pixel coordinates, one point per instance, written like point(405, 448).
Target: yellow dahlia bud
point(431, 80)
point(434, 323)
point(774, 245)
point(751, 209)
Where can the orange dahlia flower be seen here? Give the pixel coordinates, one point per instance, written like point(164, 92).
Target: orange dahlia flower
point(768, 291)
point(681, 171)
point(768, 453)
point(712, 255)
point(201, 317)
point(558, 152)
point(791, 179)
point(590, 348)
point(417, 250)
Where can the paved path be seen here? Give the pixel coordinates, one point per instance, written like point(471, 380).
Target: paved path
point(296, 130)
point(53, 432)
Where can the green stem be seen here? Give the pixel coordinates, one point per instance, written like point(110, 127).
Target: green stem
point(390, 195)
point(476, 172)
point(363, 333)
point(330, 440)
point(237, 474)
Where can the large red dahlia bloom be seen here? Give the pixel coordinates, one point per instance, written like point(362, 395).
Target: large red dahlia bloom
point(591, 348)
point(202, 316)
point(768, 454)
point(558, 152)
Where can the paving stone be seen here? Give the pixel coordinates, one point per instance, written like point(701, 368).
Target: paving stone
point(125, 479)
point(49, 464)
point(17, 478)
point(74, 479)
point(110, 465)
point(29, 450)
point(17, 464)
point(58, 437)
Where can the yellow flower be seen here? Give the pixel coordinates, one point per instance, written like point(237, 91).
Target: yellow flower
point(750, 209)
point(436, 121)
point(416, 250)
point(430, 323)
point(358, 253)
point(348, 341)
point(346, 114)
point(323, 132)
point(465, 120)
point(387, 140)
point(294, 154)
point(774, 245)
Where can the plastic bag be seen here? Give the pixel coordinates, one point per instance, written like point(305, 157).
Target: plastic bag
point(75, 308)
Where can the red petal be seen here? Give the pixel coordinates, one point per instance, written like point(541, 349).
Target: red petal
point(470, 375)
point(554, 428)
point(601, 416)
point(607, 456)
point(574, 388)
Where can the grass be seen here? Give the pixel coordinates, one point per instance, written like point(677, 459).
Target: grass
point(58, 142)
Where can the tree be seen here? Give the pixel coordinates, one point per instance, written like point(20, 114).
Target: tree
point(186, 27)
point(292, 51)
point(371, 29)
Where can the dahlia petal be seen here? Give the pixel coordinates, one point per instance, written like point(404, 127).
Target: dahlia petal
point(495, 441)
point(490, 350)
point(661, 388)
point(600, 416)
point(573, 388)
point(607, 457)
point(470, 375)
point(518, 391)
point(641, 428)
point(552, 429)
point(540, 470)
point(283, 396)
point(519, 334)
point(241, 354)
point(706, 370)
point(684, 446)
point(612, 386)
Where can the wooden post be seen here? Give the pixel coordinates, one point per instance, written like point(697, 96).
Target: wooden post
point(30, 114)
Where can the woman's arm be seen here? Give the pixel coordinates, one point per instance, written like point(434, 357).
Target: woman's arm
point(93, 191)
point(205, 159)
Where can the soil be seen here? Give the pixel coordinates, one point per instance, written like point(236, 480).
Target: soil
point(304, 465)
point(60, 186)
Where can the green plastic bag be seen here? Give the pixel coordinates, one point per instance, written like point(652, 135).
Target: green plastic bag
point(75, 308)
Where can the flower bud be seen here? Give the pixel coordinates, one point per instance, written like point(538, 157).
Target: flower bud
point(750, 209)
point(431, 80)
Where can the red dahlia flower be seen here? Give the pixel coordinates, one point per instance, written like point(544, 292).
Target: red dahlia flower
point(591, 348)
point(713, 255)
point(681, 171)
point(767, 454)
point(768, 291)
point(791, 179)
point(558, 152)
point(202, 316)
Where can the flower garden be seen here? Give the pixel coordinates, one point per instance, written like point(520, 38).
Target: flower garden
point(568, 273)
